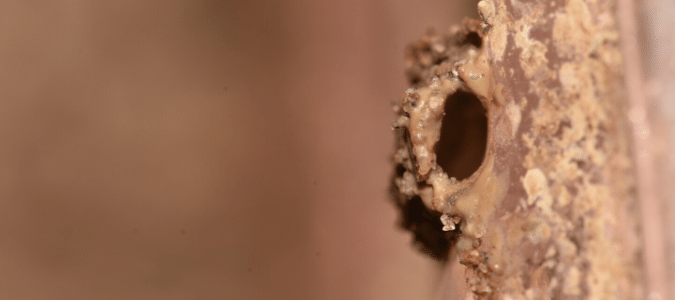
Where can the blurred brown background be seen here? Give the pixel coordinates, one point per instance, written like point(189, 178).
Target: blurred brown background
point(205, 149)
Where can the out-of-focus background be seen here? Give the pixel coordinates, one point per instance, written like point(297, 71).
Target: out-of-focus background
point(205, 149)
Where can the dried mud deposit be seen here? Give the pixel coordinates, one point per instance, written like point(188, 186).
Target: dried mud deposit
point(513, 150)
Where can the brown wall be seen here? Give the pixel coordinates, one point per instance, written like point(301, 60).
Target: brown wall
point(205, 149)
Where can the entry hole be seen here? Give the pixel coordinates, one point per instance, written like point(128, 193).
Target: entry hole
point(474, 39)
point(461, 149)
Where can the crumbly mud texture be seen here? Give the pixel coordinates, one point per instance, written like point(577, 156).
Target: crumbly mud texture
point(433, 66)
point(512, 148)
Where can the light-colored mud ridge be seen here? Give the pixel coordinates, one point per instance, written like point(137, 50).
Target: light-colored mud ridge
point(449, 72)
point(446, 139)
point(512, 149)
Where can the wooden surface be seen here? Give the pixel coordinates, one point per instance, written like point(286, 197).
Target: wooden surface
point(562, 205)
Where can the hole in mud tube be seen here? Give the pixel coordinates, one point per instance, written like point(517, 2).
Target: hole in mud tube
point(474, 39)
point(461, 149)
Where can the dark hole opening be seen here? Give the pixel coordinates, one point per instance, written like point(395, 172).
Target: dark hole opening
point(461, 149)
point(474, 39)
point(400, 170)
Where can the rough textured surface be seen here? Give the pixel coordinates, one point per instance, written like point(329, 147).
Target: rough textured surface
point(550, 213)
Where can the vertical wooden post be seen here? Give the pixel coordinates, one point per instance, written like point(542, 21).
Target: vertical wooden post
point(552, 211)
